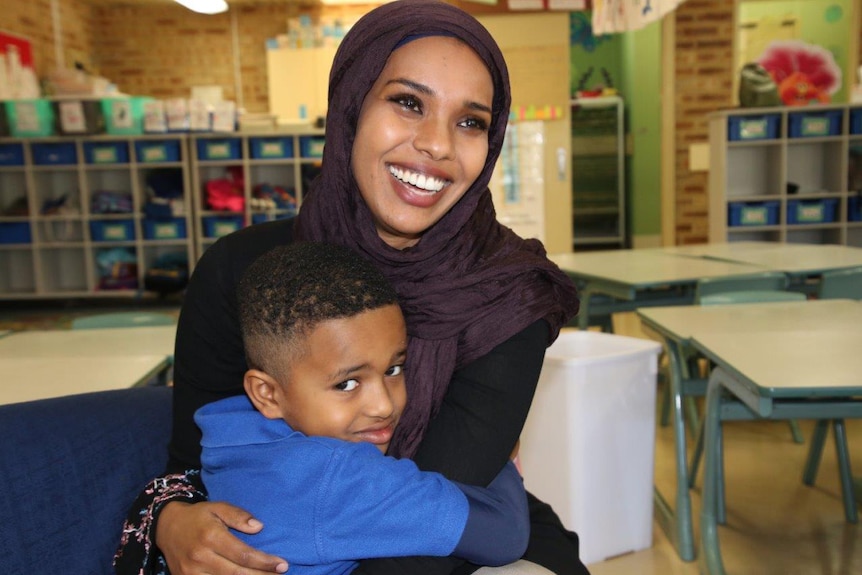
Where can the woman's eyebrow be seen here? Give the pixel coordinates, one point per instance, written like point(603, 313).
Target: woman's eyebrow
point(423, 89)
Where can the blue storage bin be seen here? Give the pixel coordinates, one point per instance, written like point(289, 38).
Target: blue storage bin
point(752, 213)
point(54, 154)
point(811, 211)
point(854, 209)
point(15, 233)
point(106, 152)
point(219, 149)
point(311, 146)
point(112, 230)
point(11, 154)
point(154, 151)
point(815, 124)
point(856, 121)
point(218, 226)
point(172, 229)
point(763, 127)
point(271, 148)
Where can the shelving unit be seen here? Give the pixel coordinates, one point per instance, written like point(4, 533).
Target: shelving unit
point(598, 173)
point(786, 175)
point(54, 244)
point(242, 163)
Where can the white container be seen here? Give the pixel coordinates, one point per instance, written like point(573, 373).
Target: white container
point(588, 445)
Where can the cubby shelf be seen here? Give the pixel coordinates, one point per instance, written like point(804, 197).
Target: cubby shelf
point(786, 174)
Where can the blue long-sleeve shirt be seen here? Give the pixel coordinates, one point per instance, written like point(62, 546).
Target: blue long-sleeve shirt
point(326, 503)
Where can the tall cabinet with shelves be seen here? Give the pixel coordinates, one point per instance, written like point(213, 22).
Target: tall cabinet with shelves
point(245, 178)
point(73, 214)
point(786, 175)
point(598, 173)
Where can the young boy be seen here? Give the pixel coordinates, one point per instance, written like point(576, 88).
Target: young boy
point(326, 343)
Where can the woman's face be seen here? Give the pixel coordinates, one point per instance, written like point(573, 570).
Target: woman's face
point(422, 136)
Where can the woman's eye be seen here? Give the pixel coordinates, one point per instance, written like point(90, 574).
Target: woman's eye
point(475, 124)
point(394, 370)
point(348, 385)
point(409, 102)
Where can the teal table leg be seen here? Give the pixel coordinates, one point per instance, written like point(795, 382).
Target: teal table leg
point(677, 523)
point(710, 552)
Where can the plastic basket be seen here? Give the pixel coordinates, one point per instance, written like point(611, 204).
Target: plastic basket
point(764, 127)
point(815, 124)
point(752, 213)
point(811, 211)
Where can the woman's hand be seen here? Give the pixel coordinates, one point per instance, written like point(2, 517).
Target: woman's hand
point(195, 540)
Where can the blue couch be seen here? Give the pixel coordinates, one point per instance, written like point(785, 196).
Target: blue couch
point(70, 468)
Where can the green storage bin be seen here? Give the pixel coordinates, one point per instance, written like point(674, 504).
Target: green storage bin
point(30, 118)
point(124, 116)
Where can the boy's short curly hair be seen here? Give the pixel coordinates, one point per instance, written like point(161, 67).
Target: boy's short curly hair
point(289, 290)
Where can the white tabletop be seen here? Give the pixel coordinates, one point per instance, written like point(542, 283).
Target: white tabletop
point(90, 342)
point(788, 258)
point(5, 332)
point(648, 267)
point(824, 363)
point(684, 322)
point(31, 378)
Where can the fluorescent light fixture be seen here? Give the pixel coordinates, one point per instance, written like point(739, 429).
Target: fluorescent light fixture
point(204, 6)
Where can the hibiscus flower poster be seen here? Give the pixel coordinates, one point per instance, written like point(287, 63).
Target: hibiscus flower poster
point(803, 44)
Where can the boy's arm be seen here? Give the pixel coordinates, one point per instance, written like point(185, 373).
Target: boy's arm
point(374, 506)
point(498, 525)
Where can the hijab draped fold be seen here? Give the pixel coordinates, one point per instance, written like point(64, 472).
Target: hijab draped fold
point(470, 283)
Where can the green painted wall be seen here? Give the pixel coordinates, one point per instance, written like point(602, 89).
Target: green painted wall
point(642, 86)
point(633, 62)
point(824, 23)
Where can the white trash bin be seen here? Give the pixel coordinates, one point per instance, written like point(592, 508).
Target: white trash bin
point(588, 445)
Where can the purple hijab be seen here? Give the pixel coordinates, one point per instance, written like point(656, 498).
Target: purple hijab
point(470, 283)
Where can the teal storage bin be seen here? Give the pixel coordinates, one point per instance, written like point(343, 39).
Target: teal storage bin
point(124, 116)
point(30, 118)
point(311, 146)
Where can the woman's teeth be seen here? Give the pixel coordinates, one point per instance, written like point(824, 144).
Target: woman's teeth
point(421, 181)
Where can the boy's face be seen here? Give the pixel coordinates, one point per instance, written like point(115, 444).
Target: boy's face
point(347, 382)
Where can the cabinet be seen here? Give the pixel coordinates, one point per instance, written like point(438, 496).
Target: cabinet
point(786, 175)
point(598, 173)
point(73, 213)
point(246, 178)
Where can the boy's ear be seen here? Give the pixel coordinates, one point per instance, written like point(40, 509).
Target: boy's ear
point(263, 391)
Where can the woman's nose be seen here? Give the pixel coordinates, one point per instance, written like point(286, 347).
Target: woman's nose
point(435, 138)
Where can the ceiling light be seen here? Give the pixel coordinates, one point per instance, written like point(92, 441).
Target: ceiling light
point(204, 6)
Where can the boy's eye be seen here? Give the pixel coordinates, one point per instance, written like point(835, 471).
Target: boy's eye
point(394, 370)
point(348, 385)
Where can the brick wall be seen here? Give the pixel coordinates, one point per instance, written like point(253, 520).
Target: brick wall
point(704, 83)
point(33, 20)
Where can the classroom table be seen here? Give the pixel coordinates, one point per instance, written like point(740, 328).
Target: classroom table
point(796, 260)
point(804, 373)
point(640, 278)
point(665, 276)
point(678, 326)
point(32, 378)
point(126, 341)
point(5, 332)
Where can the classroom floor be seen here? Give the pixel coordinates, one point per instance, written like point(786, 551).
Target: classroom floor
point(776, 525)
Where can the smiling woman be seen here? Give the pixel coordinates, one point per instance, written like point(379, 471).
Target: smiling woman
point(419, 99)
